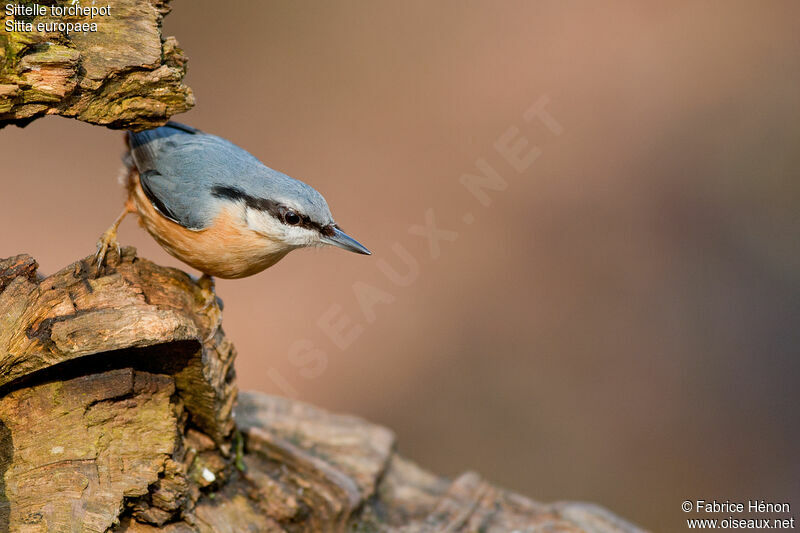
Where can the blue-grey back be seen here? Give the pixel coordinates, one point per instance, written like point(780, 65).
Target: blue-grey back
point(180, 167)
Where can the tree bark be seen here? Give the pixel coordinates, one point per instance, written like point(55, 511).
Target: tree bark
point(124, 75)
point(117, 396)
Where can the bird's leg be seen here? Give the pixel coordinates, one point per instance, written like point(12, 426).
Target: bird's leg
point(207, 285)
point(109, 238)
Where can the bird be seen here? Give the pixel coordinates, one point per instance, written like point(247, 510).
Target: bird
point(216, 207)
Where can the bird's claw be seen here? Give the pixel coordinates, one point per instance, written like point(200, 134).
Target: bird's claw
point(211, 304)
point(107, 240)
point(207, 286)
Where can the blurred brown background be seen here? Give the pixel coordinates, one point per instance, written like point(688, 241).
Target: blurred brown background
point(620, 325)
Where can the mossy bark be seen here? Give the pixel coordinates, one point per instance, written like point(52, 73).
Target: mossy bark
point(124, 75)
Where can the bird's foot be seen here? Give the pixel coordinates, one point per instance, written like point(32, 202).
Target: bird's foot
point(207, 287)
point(108, 241)
point(212, 306)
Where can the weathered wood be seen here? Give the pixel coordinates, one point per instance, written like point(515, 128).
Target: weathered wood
point(74, 313)
point(124, 75)
point(116, 396)
point(108, 436)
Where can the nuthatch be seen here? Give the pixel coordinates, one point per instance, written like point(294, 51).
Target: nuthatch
point(216, 207)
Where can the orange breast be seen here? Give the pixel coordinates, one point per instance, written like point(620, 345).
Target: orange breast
point(226, 249)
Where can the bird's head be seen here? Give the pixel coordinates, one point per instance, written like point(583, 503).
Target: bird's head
point(292, 215)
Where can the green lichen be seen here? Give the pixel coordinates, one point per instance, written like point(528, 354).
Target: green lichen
point(135, 95)
point(238, 443)
point(52, 54)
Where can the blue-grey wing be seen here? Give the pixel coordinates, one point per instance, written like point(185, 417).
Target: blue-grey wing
point(179, 166)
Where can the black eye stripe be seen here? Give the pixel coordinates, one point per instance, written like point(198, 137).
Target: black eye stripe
point(273, 208)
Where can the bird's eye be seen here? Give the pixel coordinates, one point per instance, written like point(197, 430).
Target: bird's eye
point(291, 218)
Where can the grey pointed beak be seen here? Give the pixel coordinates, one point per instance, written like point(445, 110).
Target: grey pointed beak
point(345, 242)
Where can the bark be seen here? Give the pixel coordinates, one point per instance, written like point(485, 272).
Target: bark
point(117, 394)
point(124, 75)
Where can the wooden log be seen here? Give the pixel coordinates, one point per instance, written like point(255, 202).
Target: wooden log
point(124, 75)
point(116, 414)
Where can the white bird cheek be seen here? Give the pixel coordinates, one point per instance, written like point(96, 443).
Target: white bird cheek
point(297, 236)
point(264, 224)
